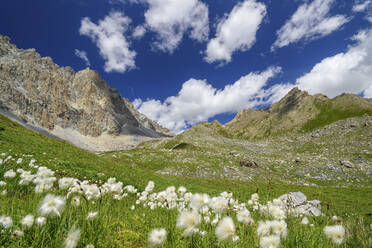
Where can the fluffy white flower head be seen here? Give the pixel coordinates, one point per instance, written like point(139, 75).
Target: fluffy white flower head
point(335, 233)
point(157, 237)
point(6, 222)
point(92, 215)
point(52, 205)
point(27, 221)
point(72, 238)
point(305, 221)
point(40, 221)
point(225, 229)
point(188, 220)
point(272, 241)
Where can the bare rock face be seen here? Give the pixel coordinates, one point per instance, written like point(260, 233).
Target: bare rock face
point(39, 93)
point(248, 163)
point(297, 204)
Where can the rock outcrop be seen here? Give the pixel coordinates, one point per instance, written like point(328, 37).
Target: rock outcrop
point(79, 107)
point(297, 111)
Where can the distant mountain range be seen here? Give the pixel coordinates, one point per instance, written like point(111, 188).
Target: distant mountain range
point(298, 111)
point(81, 108)
point(78, 107)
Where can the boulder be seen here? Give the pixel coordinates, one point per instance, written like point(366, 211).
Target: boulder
point(296, 203)
point(346, 163)
point(248, 163)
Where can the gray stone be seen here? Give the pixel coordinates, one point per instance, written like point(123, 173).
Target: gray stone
point(248, 163)
point(346, 163)
point(296, 203)
point(293, 199)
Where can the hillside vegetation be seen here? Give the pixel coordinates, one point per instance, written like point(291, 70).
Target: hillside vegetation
point(123, 223)
point(298, 111)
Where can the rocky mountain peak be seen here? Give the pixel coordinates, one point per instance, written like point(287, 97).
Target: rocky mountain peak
point(39, 93)
point(295, 111)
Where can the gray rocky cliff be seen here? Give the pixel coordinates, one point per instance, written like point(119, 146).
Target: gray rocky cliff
point(79, 107)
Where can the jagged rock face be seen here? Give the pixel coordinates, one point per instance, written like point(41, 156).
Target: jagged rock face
point(41, 93)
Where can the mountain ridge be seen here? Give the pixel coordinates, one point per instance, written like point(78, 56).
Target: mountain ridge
point(298, 111)
point(79, 107)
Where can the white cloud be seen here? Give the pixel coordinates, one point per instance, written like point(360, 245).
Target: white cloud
point(109, 37)
point(361, 6)
point(349, 72)
point(83, 56)
point(310, 21)
point(236, 31)
point(139, 32)
point(171, 19)
point(368, 92)
point(198, 101)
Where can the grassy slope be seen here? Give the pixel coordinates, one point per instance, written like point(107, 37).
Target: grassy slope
point(82, 164)
point(123, 229)
point(330, 112)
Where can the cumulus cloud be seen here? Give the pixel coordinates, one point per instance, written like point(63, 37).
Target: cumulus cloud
point(172, 19)
point(83, 55)
point(236, 31)
point(349, 72)
point(361, 6)
point(198, 101)
point(310, 21)
point(109, 37)
point(368, 92)
point(139, 32)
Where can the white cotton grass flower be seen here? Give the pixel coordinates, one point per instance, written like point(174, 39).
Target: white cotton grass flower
point(243, 216)
point(272, 241)
point(72, 238)
point(92, 215)
point(335, 233)
point(219, 204)
point(305, 221)
point(255, 197)
point(52, 205)
point(89, 246)
point(157, 237)
point(235, 238)
point(2, 183)
point(41, 221)
point(18, 233)
point(188, 220)
point(10, 174)
point(4, 192)
point(91, 191)
point(199, 200)
point(65, 182)
point(150, 186)
point(27, 221)
point(225, 229)
point(6, 222)
point(263, 228)
point(75, 201)
point(181, 190)
point(276, 212)
point(279, 228)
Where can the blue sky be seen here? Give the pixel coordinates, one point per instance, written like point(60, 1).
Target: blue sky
point(185, 61)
